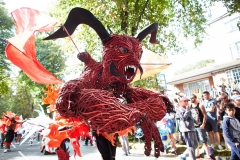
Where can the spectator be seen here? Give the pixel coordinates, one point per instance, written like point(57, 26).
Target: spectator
point(211, 124)
point(176, 106)
point(186, 126)
point(163, 133)
point(175, 103)
point(88, 138)
point(223, 87)
point(125, 144)
point(213, 92)
point(235, 92)
point(234, 85)
point(236, 101)
point(170, 129)
point(231, 128)
point(224, 101)
point(200, 117)
point(228, 90)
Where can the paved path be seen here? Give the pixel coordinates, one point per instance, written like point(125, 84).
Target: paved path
point(26, 152)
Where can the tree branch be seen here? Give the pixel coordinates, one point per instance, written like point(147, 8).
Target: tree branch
point(140, 17)
point(124, 16)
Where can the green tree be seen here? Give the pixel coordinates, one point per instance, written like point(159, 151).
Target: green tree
point(6, 25)
point(233, 6)
point(176, 19)
point(25, 94)
point(150, 82)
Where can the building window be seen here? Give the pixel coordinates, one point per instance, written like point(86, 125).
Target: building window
point(235, 50)
point(233, 75)
point(197, 88)
point(232, 25)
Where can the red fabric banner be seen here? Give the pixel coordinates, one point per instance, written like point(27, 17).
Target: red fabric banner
point(21, 48)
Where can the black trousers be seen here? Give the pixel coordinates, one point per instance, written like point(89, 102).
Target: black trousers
point(107, 150)
point(10, 136)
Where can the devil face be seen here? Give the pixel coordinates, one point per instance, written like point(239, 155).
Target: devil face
point(121, 57)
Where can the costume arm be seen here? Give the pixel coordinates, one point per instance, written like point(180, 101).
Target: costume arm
point(153, 104)
point(86, 58)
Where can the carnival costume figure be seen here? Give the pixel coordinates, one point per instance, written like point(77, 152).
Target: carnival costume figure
point(88, 97)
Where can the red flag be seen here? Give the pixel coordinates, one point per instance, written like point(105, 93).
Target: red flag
point(21, 48)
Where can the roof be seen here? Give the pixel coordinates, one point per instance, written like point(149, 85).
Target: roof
point(203, 72)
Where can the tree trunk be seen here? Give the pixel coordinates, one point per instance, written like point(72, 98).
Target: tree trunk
point(124, 17)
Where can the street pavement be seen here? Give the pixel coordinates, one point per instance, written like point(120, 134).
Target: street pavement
point(26, 152)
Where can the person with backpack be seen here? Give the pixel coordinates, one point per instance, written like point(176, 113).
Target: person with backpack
point(200, 117)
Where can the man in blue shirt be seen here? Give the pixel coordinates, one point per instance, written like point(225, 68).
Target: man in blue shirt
point(211, 124)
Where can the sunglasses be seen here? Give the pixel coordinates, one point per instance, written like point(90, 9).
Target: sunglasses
point(224, 98)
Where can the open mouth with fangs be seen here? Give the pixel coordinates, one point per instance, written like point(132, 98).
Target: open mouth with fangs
point(129, 71)
point(128, 74)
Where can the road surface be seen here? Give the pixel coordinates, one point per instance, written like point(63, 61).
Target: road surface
point(26, 152)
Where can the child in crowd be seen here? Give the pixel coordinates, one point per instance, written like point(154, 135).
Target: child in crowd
point(170, 127)
point(231, 129)
point(162, 128)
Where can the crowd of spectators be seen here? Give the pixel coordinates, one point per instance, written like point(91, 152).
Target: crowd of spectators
point(212, 115)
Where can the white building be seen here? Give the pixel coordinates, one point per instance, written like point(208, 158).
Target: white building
point(222, 45)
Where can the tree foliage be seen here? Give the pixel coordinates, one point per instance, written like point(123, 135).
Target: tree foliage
point(150, 82)
point(233, 6)
point(176, 18)
point(25, 95)
point(197, 65)
point(6, 24)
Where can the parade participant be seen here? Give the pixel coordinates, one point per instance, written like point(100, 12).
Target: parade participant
point(87, 97)
point(186, 126)
point(231, 129)
point(19, 135)
point(3, 133)
point(200, 117)
point(10, 133)
point(1, 139)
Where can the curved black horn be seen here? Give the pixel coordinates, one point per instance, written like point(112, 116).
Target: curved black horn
point(81, 16)
point(150, 29)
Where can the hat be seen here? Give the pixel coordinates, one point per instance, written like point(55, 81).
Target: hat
point(235, 97)
point(184, 98)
